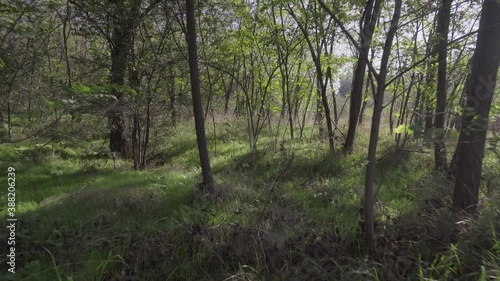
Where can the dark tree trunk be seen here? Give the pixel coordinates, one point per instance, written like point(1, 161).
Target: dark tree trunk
point(428, 98)
point(370, 18)
point(326, 108)
point(365, 101)
point(136, 151)
point(146, 135)
point(206, 170)
point(290, 111)
point(418, 117)
point(123, 27)
point(172, 97)
point(393, 102)
point(66, 57)
point(9, 118)
point(441, 95)
point(471, 142)
point(374, 134)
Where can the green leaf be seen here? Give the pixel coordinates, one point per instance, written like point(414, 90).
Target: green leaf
point(400, 129)
point(416, 128)
point(51, 104)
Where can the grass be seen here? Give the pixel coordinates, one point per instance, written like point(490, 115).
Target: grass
point(289, 211)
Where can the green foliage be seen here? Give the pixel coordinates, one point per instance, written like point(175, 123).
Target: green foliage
point(409, 129)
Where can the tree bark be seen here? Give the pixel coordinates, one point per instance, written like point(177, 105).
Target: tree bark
point(206, 170)
point(123, 27)
point(472, 138)
point(146, 134)
point(371, 15)
point(441, 95)
point(172, 98)
point(374, 133)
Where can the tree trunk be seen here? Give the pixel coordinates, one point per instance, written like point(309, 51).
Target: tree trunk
point(206, 170)
point(472, 139)
point(441, 95)
point(370, 18)
point(123, 27)
point(9, 118)
point(136, 151)
point(374, 133)
point(365, 101)
point(146, 134)
point(326, 108)
point(172, 98)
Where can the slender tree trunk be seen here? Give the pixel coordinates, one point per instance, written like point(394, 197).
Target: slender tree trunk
point(306, 110)
point(172, 97)
point(441, 95)
point(472, 138)
point(365, 98)
point(66, 57)
point(391, 109)
point(374, 134)
point(428, 99)
point(136, 151)
point(206, 170)
point(9, 118)
point(290, 112)
point(371, 15)
point(404, 108)
point(418, 106)
point(326, 108)
point(145, 144)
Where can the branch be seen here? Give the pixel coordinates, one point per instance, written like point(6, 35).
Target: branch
point(79, 5)
point(349, 36)
point(431, 53)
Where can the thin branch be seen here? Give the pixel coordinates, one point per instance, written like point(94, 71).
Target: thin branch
point(349, 36)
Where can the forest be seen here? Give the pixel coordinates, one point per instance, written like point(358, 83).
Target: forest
point(249, 140)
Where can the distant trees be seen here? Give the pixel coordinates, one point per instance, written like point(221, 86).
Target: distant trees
point(117, 26)
point(320, 43)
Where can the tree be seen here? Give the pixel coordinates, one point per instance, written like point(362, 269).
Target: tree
point(123, 25)
point(317, 44)
point(441, 95)
point(374, 132)
point(117, 26)
point(370, 17)
point(472, 138)
point(206, 170)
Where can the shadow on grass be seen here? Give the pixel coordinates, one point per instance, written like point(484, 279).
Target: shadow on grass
point(96, 225)
point(275, 164)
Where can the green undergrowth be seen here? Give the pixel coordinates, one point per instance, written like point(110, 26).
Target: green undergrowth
point(289, 211)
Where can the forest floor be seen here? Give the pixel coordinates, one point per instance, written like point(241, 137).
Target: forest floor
point(290, 211)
